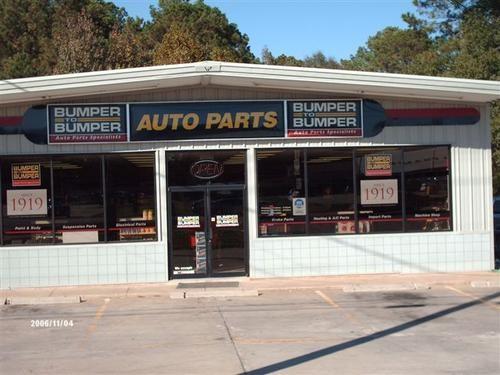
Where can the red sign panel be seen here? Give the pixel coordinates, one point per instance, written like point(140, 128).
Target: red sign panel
point(378, 165)
point(26, 175)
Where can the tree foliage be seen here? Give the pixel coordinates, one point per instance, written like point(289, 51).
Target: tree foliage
point(185, 31)
point(457, 38)
point(24, 36)
point(316, 60)
point(42, 37)
point(78, 44)
point(395, 50)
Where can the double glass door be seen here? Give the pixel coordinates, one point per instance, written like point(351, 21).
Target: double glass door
point(207, 226)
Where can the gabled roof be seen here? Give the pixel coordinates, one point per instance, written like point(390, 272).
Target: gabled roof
point(247, 75)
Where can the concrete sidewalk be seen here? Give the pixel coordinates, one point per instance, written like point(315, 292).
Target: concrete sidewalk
point(351, 283)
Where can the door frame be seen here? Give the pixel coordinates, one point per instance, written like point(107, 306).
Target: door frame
point(206, 190)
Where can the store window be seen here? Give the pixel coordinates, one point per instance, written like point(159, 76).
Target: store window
point(78, 199)
point(26, 201)
point(130, 188)
point(331, 191)
point(379, 190)
point(427, 176)
point(206, 167)
point(282, 204)
point(377, 193)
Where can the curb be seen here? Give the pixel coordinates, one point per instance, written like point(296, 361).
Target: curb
point(379, 288)
point(42, 300)
point(220, 293)
point(485, 284)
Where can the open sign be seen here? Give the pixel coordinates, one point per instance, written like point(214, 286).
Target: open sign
point(207, 169)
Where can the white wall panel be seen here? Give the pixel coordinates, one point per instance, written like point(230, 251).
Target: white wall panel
point(467, 248)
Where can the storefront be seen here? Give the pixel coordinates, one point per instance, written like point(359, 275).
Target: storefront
point(222, 169)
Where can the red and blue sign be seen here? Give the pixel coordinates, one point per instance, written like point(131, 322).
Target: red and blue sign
point(142, 122)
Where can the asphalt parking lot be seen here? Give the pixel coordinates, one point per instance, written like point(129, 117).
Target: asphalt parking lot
point(445, 330)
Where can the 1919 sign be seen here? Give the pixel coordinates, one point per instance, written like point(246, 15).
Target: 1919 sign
point(26, 202)
point(379, 192)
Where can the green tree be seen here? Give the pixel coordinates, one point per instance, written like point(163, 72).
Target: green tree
point(319, 60)
point(316, 60)
point(446, 38)
point(127, 46)
point(268, 59)
point(471, 29)
point(24, 36)
point(78, 44)
point(203, 27)
point(396, 50)
point(90, 35)
point(179, 45)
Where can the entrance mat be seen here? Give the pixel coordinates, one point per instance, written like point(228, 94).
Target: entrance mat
point(215, 284)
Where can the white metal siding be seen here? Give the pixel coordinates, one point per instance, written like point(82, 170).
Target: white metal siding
point(468, 247)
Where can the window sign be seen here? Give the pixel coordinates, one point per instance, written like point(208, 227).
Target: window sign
point(188, 221)
point(325, 118)
point(26, 202)
point(207, 169)
point(299, 206)
point(26, 174)
point(346, 227)
point(378, 192)
point(87, 124)
point(201, 252)
point(227, 221)
point(378, 165)
point(88, 236)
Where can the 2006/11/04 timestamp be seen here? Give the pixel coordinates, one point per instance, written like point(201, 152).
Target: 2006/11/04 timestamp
point(51, 323)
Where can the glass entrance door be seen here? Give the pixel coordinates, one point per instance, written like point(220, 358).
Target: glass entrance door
point(227, 234)
point(188, 234)
point(207, 232)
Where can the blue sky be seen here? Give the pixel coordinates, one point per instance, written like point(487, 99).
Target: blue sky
point(300, 27)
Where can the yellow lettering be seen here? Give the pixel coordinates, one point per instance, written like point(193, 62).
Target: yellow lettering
point(144, 124)
point(156, 125)
point(226, 122)
point(241, 120)
point(175, 120)
point(270, 119)
point(212, 119)
point(256, 118)
point(194, 118)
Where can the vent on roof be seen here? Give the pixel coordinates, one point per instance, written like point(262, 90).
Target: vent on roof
point(208, 67)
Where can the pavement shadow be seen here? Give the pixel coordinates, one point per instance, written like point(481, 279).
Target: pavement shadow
point(366, 339)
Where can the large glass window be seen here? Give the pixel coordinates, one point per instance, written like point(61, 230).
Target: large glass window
point(282, 203)
point(346, 191)
point(77, 199)
point(427, 175)
point(130, 190)
point(331, 191)
point(379, 190)
point(26, 201)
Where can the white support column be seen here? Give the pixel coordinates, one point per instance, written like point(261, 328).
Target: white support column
point(161, 199)
point(251, 202)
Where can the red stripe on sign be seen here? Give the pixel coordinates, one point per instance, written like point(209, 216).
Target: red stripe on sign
point(11, 121)
point(431, 112)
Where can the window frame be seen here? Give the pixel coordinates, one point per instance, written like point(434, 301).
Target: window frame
point(449, 187)
point(102, 156)
point(355, 176)
point(400, 150)
point(257, 197)
point(155, 195)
